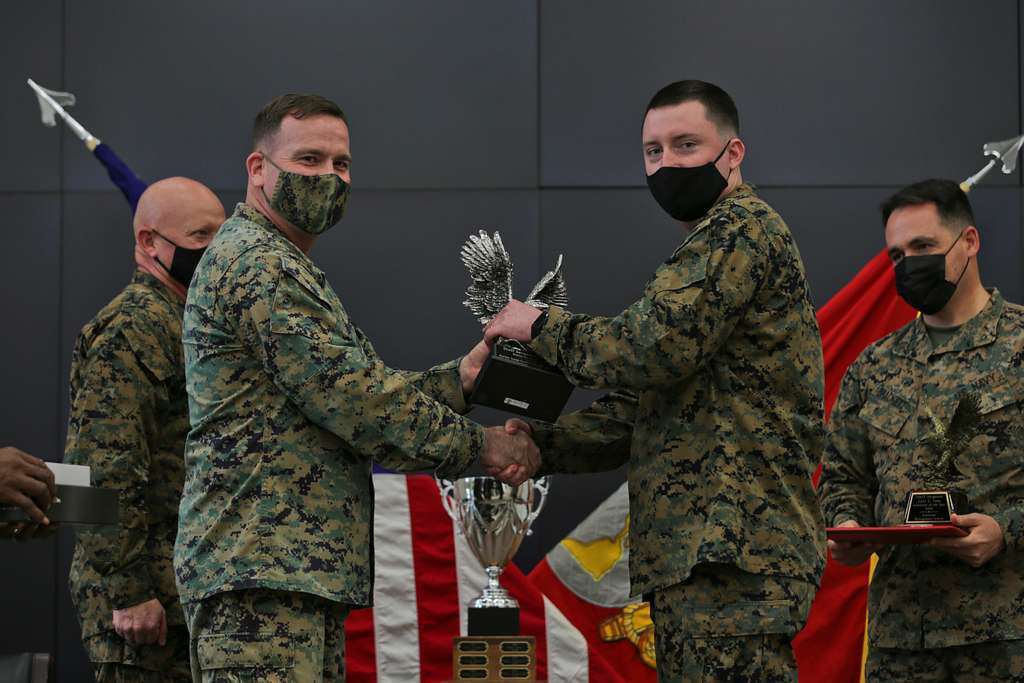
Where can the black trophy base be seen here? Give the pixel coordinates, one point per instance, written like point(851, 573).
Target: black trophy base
point(517, 380)
point(492, 621)
point(935, 507)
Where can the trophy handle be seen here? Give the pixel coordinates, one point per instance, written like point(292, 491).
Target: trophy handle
point(540, 487)
point(447, 489)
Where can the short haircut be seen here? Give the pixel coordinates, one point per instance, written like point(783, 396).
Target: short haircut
point(950, 201)
point(720, 108)
point(268, 120)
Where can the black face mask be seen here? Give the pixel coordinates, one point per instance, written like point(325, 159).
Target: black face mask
point(183, 263)
point(921, 280)
point(686, 194)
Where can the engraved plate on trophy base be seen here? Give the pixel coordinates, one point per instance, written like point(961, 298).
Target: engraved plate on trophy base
point(934, 507)
point(492, 621)
point(517, 380)
point(495, 659)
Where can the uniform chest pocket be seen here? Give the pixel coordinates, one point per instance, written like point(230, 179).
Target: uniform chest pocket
point(886, 414)
point(305, 306)
point(685, 270)
point(996, 391)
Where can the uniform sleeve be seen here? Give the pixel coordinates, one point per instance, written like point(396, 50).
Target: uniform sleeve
point(687, 312)
point(315, 357)
point(848, 486)
point(595, 439)
point(441, 382)
point(112, 411)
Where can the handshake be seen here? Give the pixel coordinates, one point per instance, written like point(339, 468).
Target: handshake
point(510, 453)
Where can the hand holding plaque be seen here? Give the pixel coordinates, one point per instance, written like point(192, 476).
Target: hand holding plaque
point(928, 512)
point(514, 378)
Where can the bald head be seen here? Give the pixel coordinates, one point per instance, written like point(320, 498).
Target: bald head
point(179, 209)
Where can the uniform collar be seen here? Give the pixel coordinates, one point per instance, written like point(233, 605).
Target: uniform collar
point(253, 215)
point(141, 277)
point(718, 212)
point(980, 330)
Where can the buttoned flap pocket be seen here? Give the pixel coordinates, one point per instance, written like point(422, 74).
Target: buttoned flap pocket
point(302, 305)
point(245, 651)
point(739, 619)
point(996, 391)
point(687, 269)
point(886, 412)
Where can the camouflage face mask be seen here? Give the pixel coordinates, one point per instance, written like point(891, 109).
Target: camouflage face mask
point(312, 203)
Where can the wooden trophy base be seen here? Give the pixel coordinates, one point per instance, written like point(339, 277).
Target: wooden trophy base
point(495, 659)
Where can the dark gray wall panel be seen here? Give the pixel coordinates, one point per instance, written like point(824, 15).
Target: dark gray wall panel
point(613, 240)
point(829, 92)
point(29, 263)
point(31, 37)
point(394, 261)
point(438, 94)
point(28, 351)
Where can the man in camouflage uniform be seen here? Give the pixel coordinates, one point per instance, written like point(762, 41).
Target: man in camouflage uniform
point(951, 610)
point(128, 421)
point(716, 404)
point(289, 405)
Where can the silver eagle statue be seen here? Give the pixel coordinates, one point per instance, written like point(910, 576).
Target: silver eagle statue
point(490, 269)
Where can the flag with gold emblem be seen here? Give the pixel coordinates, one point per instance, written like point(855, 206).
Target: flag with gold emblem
point(587, 577)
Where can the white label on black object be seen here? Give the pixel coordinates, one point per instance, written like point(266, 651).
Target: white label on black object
point(522, 405)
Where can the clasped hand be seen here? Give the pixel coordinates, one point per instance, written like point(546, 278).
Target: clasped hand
point(510, 453)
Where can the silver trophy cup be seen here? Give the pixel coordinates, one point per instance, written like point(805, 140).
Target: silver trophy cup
point(494, 518)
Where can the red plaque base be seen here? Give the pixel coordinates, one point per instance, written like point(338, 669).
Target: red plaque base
point(894, 535)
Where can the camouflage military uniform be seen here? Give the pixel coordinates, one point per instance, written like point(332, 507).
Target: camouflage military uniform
point(717, 407)
point(128, 422)
point(289, 404)
point(922, 599)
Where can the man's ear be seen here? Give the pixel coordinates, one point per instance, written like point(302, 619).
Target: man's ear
point(737, 150)
point(973, 240)
point(255, 166)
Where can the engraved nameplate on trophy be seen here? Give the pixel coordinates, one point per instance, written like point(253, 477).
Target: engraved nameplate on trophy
point(514, 378)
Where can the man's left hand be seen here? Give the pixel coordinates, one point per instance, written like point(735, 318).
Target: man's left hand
point(513, 322)
point(984, 539)
point(472, 363)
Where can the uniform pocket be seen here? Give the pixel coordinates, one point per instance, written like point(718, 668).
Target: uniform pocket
point(687, 269)
point(886, 413)
point(740, 619)
point(245, 651)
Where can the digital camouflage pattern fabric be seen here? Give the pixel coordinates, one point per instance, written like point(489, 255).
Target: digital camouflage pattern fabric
point(879, 450)
point(268, 636)
point(289, 404)
point(723, 624)
point(998, 662)
point(128, 421)
point(717, 379)
point(312, 203)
